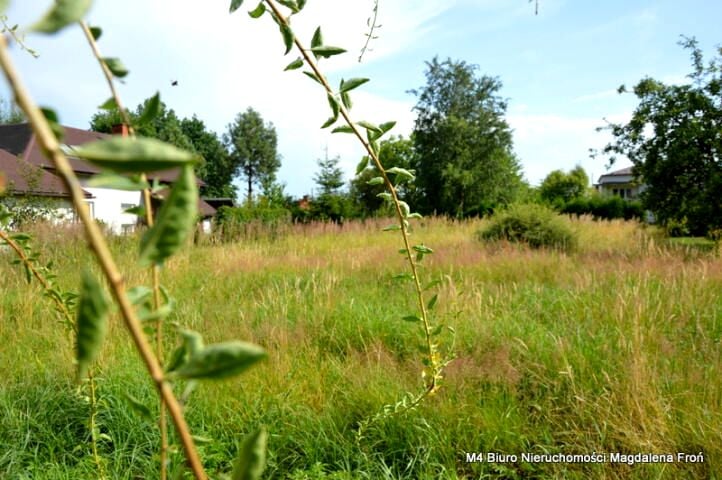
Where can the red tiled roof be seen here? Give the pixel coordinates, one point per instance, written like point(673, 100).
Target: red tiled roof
point(23, 178)
point(19, 140)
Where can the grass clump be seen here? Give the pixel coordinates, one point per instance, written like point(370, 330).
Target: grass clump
point(535, 225)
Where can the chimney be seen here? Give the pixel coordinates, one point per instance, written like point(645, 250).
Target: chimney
point(120, 129)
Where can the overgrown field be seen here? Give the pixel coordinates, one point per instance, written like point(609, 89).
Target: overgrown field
point(613, 348)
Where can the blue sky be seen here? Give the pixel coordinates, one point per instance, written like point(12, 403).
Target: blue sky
point(559, 69)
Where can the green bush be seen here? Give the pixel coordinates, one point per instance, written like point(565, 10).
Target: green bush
point(604, 207)
point(254, 221)
point(535, 225)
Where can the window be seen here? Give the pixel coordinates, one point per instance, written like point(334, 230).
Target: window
point(127, 228)
point(127, 206)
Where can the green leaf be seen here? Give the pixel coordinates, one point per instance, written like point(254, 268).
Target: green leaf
point(221, 360)
point(317, 39)
point(403, 276)
point(4, 4)
point(329, 122)
point(327, 51)
point(251, 459)
point(405, 210)
point(287, 34)
point(61, 14)
point(422, 249)
point(369, 126)
point(296, 64)
point(151, 110)
point(136, 155)
point(414, 215)
point(138, 211)
point(313, 76)
point(342, 129)
point(96, 32)
point(401, 172)
point(235, 5)
point(91, 322)
point(375, 181)
point(258, 11)
point(392, 228)
point(175, 221)
point(138, 407)
point(362, 164)
point(432, 302)
point(386, 126)
point(333, 103)
point(115, 66)
point(291, 4)
point(301, 4)
point(177, 358)
point(350, 84)
point(139, 294)
point(386, 196)
point(53, 122)
point(432, 284)
point(109, 104)
point(118, 182)
point(193, 341)
point(411, 318)
point(346, 99)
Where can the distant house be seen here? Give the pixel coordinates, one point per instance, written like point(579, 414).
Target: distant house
point(621, 183)
point(28, 172)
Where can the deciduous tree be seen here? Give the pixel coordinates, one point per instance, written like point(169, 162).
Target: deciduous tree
point(464, 163)
point(674, 139)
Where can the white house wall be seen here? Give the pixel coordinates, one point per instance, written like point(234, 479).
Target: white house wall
point(108, 206)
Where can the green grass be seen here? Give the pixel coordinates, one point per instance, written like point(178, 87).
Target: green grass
point(614, 348)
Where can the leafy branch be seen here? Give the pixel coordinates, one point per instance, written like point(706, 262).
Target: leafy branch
point(92, 35)
point(340, 104)
point(371, 22)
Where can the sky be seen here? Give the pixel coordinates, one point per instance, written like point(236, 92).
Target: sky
point(560, 68)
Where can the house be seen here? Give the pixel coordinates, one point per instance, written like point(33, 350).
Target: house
point(29, 173)
point(621, 183)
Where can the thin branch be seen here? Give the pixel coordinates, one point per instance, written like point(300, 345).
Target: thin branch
point(433, 361)
point(49, 144)
point(370, 35)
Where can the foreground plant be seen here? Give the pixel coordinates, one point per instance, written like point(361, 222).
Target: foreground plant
point(369, 134)
point(118, 157)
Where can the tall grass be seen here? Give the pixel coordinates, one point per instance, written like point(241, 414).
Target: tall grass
point(615, 347)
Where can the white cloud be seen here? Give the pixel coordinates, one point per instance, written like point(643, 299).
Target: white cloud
point(226, 63)
point(546, 142)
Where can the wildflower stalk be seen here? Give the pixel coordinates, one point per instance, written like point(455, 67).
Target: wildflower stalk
point(162, 424)
point(50, 146)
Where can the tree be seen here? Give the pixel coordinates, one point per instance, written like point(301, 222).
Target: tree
point(252, 145)
point(217, 171)
point(330, 177)
point(559, 187)
point(190, 134)
point(393, 152)
point(10, 113)
point(331, 204)
point(464, 162)
point(674, 140)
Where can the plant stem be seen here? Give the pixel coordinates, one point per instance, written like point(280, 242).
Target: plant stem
point(49, 144)
point(149, 220)
point(433, 361)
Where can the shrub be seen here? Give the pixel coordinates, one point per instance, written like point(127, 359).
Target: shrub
point(252, 221)
point(604, 208)
point(536, 225)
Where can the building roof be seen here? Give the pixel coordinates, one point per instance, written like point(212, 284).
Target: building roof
point(623, 175)
point(23, 178)
point(19, 140)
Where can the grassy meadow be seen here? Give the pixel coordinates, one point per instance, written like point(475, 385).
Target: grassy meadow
point(612, 348)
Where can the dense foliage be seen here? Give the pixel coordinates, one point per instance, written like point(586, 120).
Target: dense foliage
point(464, 160)
point(674, 139)
point(559, 187)
point(534, 225)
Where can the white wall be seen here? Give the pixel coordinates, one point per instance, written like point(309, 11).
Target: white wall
point(107, 206)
